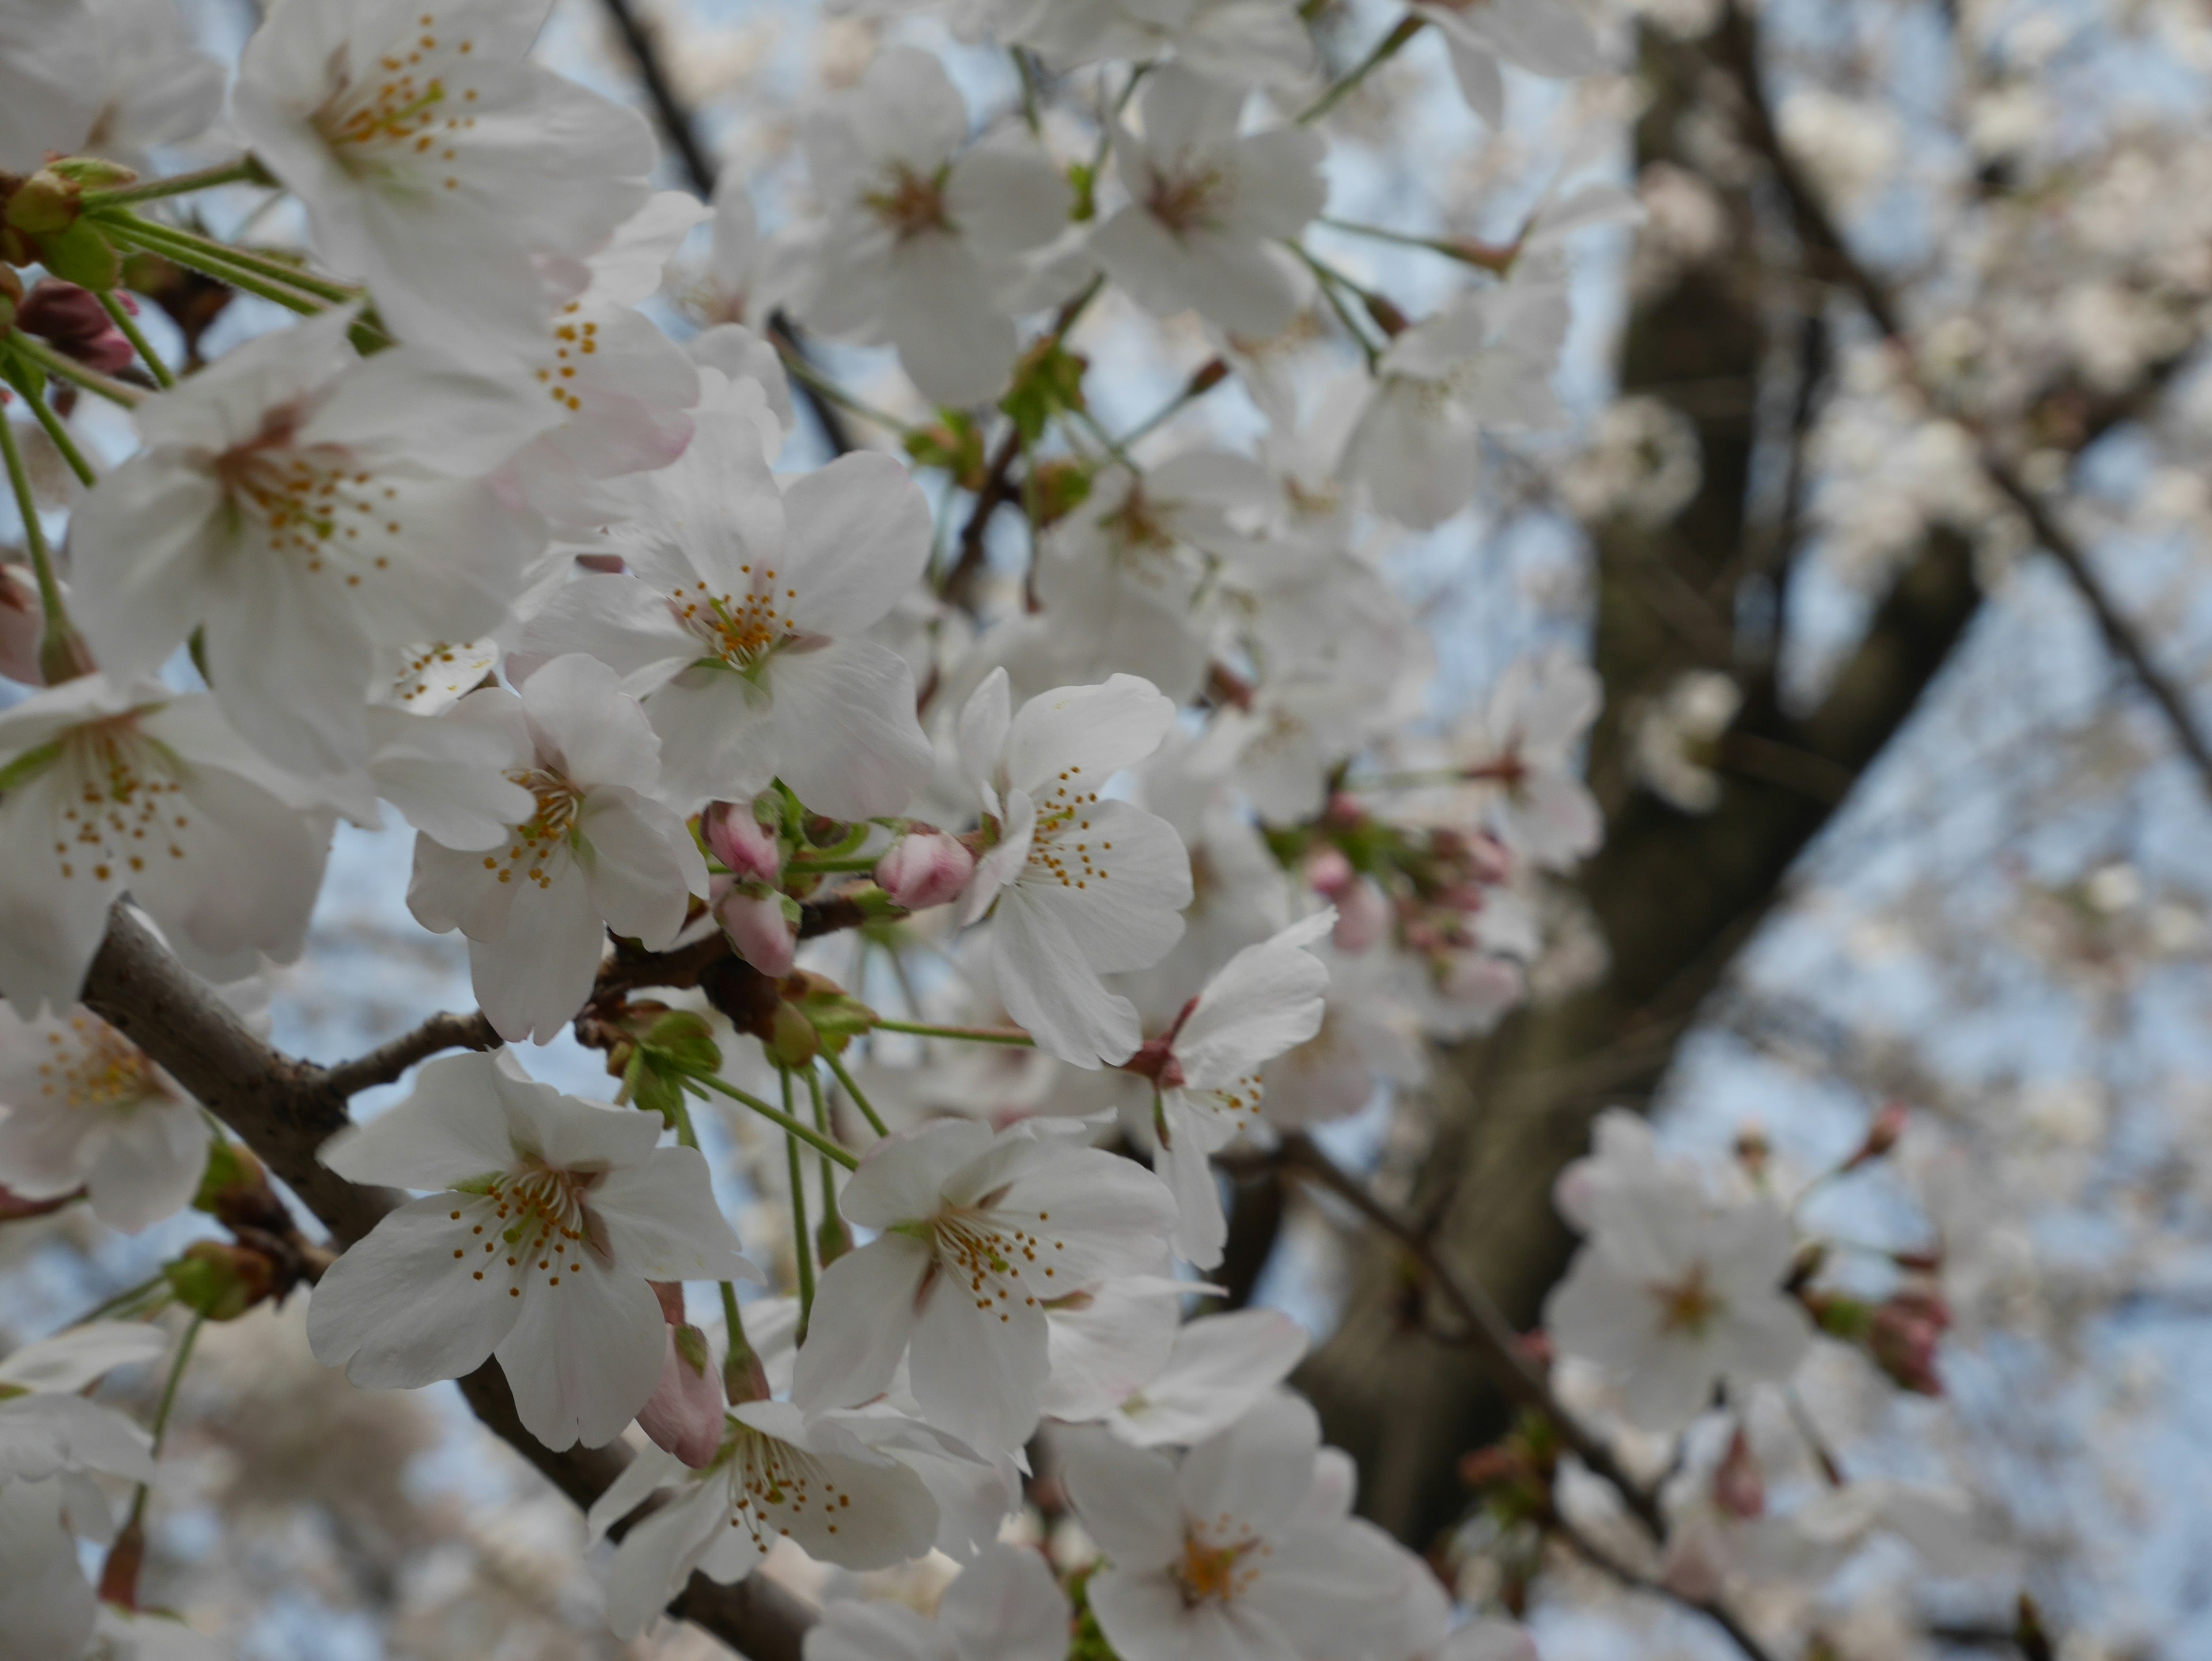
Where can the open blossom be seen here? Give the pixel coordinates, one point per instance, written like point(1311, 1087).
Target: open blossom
point(552, 1215)
point(1217, 1371)
point(1207, 207)
point(1544, 37)
point(1082, 886)
point(744, 625)
point(1672, 1295)
point(777, 1474)
point(924, 236)
point(1005, 1606)
point(112, 788)
point(1244, 42)
point(977, 1232)
point(1204, 1069)
point(85, 1106)
point(1236, 1550)
point(436, 162)
point(304, 509)
point(598, 852)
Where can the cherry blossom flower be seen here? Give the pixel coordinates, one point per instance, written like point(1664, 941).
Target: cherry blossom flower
point(552, 1216)
point(304, 509)
point(107, 787)
point(1204, 1069)
point(1236, 1550)
point(1370, 1030)
point(923, 238)
point(1216, 1372)
point(1544, 37)
point(49, 75)
point(1082, 886)
point(1207, 207)
point(778, 1474)
point(85, 1106)
point(48, 1429)
point(1244, 43)
point(743, 627)
point(1005, 1606)
point(437, 162)
point(1671, 1295)
point(111, 78)
point(598, 852)
point(976, 1233)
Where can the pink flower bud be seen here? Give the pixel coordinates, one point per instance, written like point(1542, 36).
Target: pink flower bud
point(22, 622)
point(1328, 874)
point(741, 842)
point(1902, 1337)
point(924, 869)
point(683, 1415)
point(761, 934)
point(1886, 1126)
point(1739, 1485)
point(77, 324)
point(1362, 916)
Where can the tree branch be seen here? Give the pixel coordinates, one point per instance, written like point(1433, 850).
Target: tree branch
point(285, 1110)
point(386, 1062)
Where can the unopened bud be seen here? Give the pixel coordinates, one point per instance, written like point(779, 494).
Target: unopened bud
point(22, 623)
point(1362, 917)
point(77, 324)
point(793, 1041)
point(1328, 872)
point(11, 296)
point(832, 1240)
point(683, 1415)
point(94, 171)
point(45, 202)
point(761, 931)
point(221, 1281)
point(742, 842)
point(1882, 1134)
point(1739, 1486)
point(743, 1378)
point(1902, 1336)
point(924, 869)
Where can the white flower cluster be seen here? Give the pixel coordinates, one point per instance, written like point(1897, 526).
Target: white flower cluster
point(476, 537)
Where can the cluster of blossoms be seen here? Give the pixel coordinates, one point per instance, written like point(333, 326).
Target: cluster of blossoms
point(477, 537)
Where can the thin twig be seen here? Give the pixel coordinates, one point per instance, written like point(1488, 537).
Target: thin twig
point(381, 1065)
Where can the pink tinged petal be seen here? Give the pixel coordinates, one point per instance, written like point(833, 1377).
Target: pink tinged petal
point(759, 929)
point(978, 1360)
point(1258, 1470)
point(600, 736)
point(1006, 1606)
point(750, 849)
point(864, 1315)
point(539, 971)
point(1127, 1502)
point(923, 869)
point(1052, 991)
point(1002, 862)
point(585, 1354)
point(657, 1556)
point(450, 1128)
point(1220, 1365)
point(851, 1630)
point(641, 863)
point(661, 1221)
point(400, 1310)
point(856, 540)
point(683, 1415)
point(1092, 732)
point(843, 727)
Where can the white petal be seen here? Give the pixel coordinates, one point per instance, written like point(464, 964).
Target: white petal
point(661, 1220)
point(864, 1314)
point(856, 539)
point(400, 1308)
point(844, 733)
point(584, 1356)
point(1125, 1498)
point(1052, 991)
point(1006, 1606)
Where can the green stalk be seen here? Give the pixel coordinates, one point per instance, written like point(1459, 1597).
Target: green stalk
point(970, 1034)
point(822, 1144)
point(875, 1119)
point(245, 171)
point(795, 364)
point(802, 1249)
point(829, 1223)
point(60, 436)
point(61, 656)
point(208, 263)
point(1409, 25)
point(139, 343)
point(61, 368)
point(161, 1412)
point(130, 228)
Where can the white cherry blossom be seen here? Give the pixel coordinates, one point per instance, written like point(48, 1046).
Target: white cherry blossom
point(1544, 37)
point(107, 787)
point(305, 509)
point(599, 850)
point(1005, 1606)
point(1082, 886)
point(437, 162)
point(924, 235)
point(1218, 1370)
point(1243, 42)
point(743, 626)
point(1208, 207)
point(977, 1232)
point(552, 1216)
point(84, 1106)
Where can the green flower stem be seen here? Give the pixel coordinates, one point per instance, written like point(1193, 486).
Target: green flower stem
point(970, 1034)
point(60, 436)
point(1388, 48)
point(204, 259)
point(1329, 281)
point(799, 369)
point(131, 229)
point(245, 171)
point(143, 347)
point(875, 1119)
point(802, 1248)
point(123, 1299)
point(58, 631)
point(822, 1124)
point(35, 351)
point(161, 1412)
point(822, 1144)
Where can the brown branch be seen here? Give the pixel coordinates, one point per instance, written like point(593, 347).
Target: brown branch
point(1735, 47)
point(386, 1062)
point(285, 1110)
point(1515, 1375)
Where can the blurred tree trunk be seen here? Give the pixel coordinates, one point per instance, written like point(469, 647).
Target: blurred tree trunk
point(1677, 896)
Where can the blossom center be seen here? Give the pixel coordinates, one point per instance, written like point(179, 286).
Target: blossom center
point(114, 805)
point(313, 502)
point(529, 1221)
point(772, 1484)
point(1188, 201)
point(911, 205)
point(1058, 850)
point(1216, 1572)
point(986, 1253)
point(95, 1066)
point(401, 111)
point(739, 632)
point(537, 845)
point(1687, 1305)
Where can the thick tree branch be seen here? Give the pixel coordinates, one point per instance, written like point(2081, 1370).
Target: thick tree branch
point(285, 1110)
